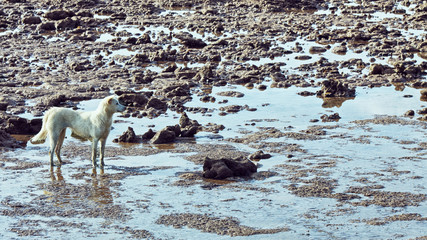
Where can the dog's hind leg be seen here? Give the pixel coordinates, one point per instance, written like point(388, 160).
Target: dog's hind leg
point(53, 139)
point(59, 145)
point(94, 148)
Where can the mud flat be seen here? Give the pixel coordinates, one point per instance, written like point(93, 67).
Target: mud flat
point(327, 98)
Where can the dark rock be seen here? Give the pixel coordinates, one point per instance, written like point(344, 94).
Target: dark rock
point(143, 39)
point(306, 93)
point(176, 91)
point(18, 125)
point(32, 20)
point(316, 49)
point(207, 99)
point(340, 50)
point(193, 43)
point(423, 96)
point(376, 69)
point(409, 113)
point(422, 111)
point(330, 118)
point(80, 66)
point(184, 120)
point(134, 99)
point(176, 129)
point(47, 26)
point(166, 135)
point(259, 155)
point(58, 14)
point(68, 23)
point(128, 136)
point(335, 88)
point(7, 141)
point(156, 104)
point(278, 77)
point(3, 106)
point(189, 131)
point(149, 134)
point(232, 108)
point(224, 168)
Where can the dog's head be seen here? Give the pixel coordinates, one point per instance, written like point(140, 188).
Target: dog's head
point(113, 104)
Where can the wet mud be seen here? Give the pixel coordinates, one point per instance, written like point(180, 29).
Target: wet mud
point(327, 99)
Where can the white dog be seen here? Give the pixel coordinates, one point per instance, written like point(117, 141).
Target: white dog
point(94, 126)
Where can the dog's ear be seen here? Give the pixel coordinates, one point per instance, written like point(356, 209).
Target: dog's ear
point(110, 101)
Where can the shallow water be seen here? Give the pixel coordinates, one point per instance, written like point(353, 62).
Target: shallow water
point(368, 154)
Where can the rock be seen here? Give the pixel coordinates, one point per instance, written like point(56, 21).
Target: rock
point(317, 49)
point(193, 43)
point(278, 77)
point(47, 26)
point(335, 88)
point(7, 141)
point(184, 120)
point(18, 125)
point(144, 39)
point(3, 106)
point(303, 57)
point(80, 65)
point(189, 131)
point(259, 155)
point(53, 101)
point(32, 20)
point(176, 91)
point(224, 168)
point(231, 94)
point(409, 113)
point(68, 23)
point(423, 96)
point(262, 87)
point(166, 135)
point(128, 136)
point(330, 118)
point(231, 108)
point(156, 104)
point(376, 69)
point(58, 14)
point(422, 111)
point(306, 93)
point(149, 134)
point(340, 50)
point(134, 99)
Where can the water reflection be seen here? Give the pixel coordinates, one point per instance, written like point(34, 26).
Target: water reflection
point(334, 102)
point(63, 192)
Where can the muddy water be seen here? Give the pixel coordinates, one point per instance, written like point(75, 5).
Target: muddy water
point(359, 177)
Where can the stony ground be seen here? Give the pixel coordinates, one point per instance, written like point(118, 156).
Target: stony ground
point(161, 55)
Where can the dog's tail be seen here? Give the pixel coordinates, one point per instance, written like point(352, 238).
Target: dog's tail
point(40, 137)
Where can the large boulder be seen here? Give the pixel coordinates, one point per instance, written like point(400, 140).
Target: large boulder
point(18, 125)
point(224, 168)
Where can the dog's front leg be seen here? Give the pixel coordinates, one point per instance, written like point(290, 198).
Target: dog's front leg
point(94, 147)
point(101, 154)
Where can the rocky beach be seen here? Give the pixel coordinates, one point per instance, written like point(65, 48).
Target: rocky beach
point(245, 119)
